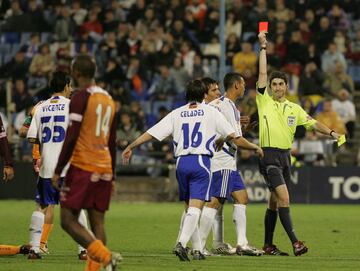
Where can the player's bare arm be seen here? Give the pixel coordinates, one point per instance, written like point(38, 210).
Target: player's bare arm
point(262, 80)
point(126, 155)
point(245, 144)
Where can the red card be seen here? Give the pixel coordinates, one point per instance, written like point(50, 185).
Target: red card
point(263, 26)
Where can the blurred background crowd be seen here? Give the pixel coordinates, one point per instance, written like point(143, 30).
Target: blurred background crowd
point(146, 51)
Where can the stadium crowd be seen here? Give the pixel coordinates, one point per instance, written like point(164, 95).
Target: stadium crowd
point(146, 51)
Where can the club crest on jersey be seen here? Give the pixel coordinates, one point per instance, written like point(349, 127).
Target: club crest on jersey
point(291, 120)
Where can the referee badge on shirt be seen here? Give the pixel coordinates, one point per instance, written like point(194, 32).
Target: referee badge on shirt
point(291, 120)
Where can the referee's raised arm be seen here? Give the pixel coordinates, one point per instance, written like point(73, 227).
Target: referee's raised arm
point(262, 80)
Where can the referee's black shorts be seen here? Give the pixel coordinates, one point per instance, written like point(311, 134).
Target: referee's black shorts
point(275, 167)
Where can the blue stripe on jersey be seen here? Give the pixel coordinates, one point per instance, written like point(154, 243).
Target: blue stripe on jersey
point(175, 143)
point(236, 112)
point(226, 151)
point(222, 98)
point(207, 145)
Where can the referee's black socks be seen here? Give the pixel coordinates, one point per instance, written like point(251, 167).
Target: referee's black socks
point(270, 223)
point(284, 214)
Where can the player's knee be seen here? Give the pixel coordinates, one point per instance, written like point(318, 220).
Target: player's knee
point(215, 203)
point(241, 197)
point(283, 202)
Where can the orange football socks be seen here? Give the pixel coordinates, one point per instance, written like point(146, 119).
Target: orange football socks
point(98, 252)
point(91, 265)
point(9, 250)
point(45, 233)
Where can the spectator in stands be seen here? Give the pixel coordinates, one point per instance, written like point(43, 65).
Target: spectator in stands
point(232, 47)
point(305, 31)
point(309, 18)
point(324, 34)
point(14, 10)
point(127, 131)
point(133, 42)
point(166, 55)
point(338, 18)
point(296, 50)
point(113, 72)
point(108, 48)
point(257, 14)
point(273, 59)
point(338, 79)
point(245, 59)
point(43, 63)
point(78, 13)
point(330, 57)
point(119, 93)
point(165, 86)
point(199, 68)
point(32, 46)
point(110, 23)
point(137, 11)
point(17, 67)
point(345, 108)
point(168, 21)
point(308, 106)
point(187, 55)
point(355, 47)
point(340, 41)
point(64, 25)
point(92, 26)
point(198, 8)
point(137, 115)
point(211, 26)
point(190, 23)
point(180, 74)
point(233, 26)
point(330, 118)
point(310, 150)
point(64, 57)
point(149, 21)
point(119, 12)
point(213, 48)
point(311, 80)
point(35, 17)
point(20, 96)
point(313, 55)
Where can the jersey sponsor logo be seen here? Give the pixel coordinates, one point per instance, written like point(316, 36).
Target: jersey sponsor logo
point(291, 120)
point(192, 113)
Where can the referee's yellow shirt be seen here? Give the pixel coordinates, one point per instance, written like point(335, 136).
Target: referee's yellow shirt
point(278, 121)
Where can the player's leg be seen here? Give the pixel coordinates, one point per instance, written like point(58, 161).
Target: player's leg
point(7, 250)
point(182, 222)
point(82, 254)
point(35, 230)
point(193, 174)
point(218, 227)
point(284, 210)
point(207, 218)
point(47, 228)
point(270, 220)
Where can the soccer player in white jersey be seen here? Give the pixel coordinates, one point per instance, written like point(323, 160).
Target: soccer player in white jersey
point(226, 180)
point(48, 128)
point(193, 127)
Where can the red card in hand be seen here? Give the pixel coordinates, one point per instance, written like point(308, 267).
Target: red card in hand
point(263, 26)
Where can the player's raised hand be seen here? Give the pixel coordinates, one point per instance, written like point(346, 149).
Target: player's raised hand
point(8, 173)
point(262, 38)
point(55, 182)
point(126, 155)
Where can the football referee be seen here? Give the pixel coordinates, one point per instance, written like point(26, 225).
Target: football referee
point(278, 119)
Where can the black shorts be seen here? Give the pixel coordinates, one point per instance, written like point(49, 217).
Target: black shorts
point(275, 167)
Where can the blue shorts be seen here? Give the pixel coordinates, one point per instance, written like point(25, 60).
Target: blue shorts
point(194, 177)
point(224, 182)
point(45, 193)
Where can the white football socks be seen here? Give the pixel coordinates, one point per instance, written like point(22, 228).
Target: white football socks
point(239, 218)
point(36, 224)
point(190, 223)
point(181, 226)
point(218, 228)
point(83, 221)
point(206, 221)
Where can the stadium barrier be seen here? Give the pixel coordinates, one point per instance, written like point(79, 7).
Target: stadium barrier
point(308, 185)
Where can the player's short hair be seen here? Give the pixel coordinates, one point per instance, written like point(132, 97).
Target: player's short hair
point(58, 82)
point(208, 82)
point(230, 79)
point(278, 74)
point(84, 65)
point(195, 90)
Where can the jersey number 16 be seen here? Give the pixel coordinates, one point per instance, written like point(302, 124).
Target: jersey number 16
point(196, 135)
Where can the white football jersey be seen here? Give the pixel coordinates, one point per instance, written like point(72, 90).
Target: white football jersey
point(49, 125)
point(193, 127)
point(226, 158)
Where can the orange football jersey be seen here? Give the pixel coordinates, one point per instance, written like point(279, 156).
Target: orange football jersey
point(91, 152)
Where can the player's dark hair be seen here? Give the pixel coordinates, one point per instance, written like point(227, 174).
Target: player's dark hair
point(58, 82)
point(208, 82)
point(278, 74)
point(230, 79)
point(84, 65)
point(195, 90)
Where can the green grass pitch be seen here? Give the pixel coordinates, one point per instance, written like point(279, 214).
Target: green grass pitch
point(145, 234)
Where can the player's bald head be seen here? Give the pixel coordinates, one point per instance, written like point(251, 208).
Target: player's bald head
point(83, 65)
point(195, 90)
